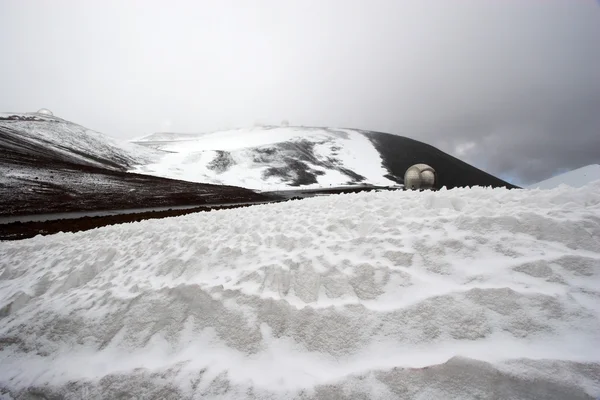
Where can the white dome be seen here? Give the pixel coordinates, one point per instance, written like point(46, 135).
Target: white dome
point(419, 176)
point(44, 111)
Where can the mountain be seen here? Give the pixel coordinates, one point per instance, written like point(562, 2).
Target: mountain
point(271, 158)
point(29, 136)
point(575, 178)
point(49, 164)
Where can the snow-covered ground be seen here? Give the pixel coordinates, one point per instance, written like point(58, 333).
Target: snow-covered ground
point(268, 158)
point(576, 178)
point(469, 293)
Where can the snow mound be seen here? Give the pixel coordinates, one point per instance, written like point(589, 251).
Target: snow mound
point(468, 293)
point(576, 178)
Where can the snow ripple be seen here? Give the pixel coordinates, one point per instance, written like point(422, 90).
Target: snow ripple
point(468, 293)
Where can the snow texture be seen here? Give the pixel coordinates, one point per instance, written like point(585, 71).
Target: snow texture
point(268, 158)
point(464, 294)
point(576, 178)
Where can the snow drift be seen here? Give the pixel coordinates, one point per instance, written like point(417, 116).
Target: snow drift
point(468, 293)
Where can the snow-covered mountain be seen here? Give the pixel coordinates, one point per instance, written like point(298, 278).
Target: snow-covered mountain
point(470, 294)
point(48, 164)
point(575, 178)
point(44, 136)
point(270, 158)
point(267, 158)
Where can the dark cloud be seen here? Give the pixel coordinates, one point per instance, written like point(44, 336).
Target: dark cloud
point(511, 86)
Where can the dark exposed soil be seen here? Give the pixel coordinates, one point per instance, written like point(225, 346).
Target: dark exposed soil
point(90, 189)
point(82, 188)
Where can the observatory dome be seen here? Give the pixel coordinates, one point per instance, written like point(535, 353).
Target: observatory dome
point(419, 176)
point(44, 111)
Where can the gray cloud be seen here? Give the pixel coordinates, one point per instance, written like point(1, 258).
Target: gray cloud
point(511, 86)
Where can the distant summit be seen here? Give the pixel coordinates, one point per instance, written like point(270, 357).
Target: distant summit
point(279, 157)
point(575, 178)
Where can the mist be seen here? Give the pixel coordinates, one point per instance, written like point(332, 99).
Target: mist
point(512, 86)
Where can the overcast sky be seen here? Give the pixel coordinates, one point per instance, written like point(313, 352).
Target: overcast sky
point(511, 86)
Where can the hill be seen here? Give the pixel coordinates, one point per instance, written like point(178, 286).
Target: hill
point(50, 165)
point(272, 158)
point(575, 178)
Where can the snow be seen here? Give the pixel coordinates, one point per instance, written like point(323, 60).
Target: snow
point(576, 178)
point(189, 157)
point(358, 154)
point(467, 293)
